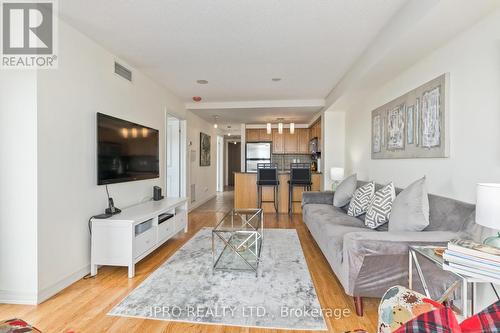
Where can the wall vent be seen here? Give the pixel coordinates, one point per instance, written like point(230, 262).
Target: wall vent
point(123, 71)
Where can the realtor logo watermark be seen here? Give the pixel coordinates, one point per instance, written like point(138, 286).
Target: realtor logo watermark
point(29, 34)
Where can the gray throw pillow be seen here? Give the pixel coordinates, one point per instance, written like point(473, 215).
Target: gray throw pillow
point(345, 191)
point(410, 209)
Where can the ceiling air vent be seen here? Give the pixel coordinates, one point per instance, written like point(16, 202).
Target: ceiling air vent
point(123, 71)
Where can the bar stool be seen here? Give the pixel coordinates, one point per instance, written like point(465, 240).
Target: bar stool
point(300, 175)
point(267, 175)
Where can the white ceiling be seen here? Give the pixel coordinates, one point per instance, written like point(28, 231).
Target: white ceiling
point(238, 46)
point(300, 115)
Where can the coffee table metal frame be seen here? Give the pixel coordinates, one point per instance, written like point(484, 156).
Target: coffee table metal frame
point(253, 237)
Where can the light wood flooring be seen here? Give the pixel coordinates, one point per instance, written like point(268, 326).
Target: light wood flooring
point(82, 307)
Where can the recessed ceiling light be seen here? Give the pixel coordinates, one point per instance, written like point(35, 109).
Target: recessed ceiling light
point(276, 79)
point(201, 81)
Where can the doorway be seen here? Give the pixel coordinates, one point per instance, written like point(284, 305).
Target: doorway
point(175, 156)
point(233, 160)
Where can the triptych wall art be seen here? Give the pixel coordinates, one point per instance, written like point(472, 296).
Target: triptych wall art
point(414, 125)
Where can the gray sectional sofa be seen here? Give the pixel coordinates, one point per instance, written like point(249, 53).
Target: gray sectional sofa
point(367, 262)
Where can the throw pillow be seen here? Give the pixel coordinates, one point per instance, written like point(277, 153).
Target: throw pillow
point(486, 321)
point(344, 191)
point(441, 320)
point(361, 200)
point(380, 207)
point(410, 210)
point(400, 305)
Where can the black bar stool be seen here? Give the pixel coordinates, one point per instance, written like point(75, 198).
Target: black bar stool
point(300, 175)
point(267, 175)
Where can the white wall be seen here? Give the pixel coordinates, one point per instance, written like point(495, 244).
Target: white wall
point(18, 185)
point(333, 150)
point(68, 99)
point(205, 178)
point(473, 61)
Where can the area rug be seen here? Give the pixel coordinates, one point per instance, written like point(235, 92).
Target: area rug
point(186, 289)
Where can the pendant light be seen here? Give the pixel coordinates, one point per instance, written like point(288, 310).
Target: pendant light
point(280, 128)
point(268, 128)
point(215, 121)
point(292, 128)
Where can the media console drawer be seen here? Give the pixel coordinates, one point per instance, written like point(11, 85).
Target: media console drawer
point(144, 242)
point(166, 229)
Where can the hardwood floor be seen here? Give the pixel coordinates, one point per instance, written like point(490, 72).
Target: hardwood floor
point(82, 307)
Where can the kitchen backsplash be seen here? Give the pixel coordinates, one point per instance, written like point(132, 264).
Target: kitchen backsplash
point(284, 161)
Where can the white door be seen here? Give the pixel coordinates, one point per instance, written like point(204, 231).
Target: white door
point(173, 157)
point(220, 164)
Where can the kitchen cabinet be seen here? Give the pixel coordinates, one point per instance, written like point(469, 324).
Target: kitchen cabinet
point(286, 143)
point(278, 142)
point(252, 135)
point(316, 129)
point(303, 140)
point(258, 135)
point(263, 136)
point(291, 142)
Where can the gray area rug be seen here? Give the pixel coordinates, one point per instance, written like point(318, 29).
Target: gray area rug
point(184, 288)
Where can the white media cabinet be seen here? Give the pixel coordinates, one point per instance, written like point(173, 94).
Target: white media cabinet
point(126, 238)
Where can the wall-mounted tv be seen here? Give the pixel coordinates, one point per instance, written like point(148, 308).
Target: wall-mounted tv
point(125, 151)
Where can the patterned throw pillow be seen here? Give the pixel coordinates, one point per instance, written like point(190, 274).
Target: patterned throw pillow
point(380, 207)
point(400, 305)
point(486, 321)
point(441, 320)
point(361, 200)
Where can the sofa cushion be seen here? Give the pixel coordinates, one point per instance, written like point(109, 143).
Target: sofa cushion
point(328, 226)
point(410, 210)
point(361, 200)
point(328, 214)
point(380, 207)
point(345, 191)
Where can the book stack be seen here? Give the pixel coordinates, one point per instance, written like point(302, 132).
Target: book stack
point(472, 259)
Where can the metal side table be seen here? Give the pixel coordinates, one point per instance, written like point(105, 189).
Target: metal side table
point(465, 281)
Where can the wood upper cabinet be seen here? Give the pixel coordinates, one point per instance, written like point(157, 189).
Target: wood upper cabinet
point(303, 140)
point(286, 143)
point(263, 136)
point(278, 140)
point(291, 143)
point(316, 129)
point(252, 135)
point(257, 135)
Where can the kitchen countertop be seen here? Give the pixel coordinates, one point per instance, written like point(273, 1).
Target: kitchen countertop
point(279, 172)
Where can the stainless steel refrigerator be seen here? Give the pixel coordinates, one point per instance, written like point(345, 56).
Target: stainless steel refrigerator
point(257, 152)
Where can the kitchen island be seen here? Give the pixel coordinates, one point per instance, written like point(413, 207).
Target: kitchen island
point(245, 192)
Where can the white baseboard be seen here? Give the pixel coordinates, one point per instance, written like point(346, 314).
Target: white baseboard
point(199, 203)
point(53, 289)
point(17, 297)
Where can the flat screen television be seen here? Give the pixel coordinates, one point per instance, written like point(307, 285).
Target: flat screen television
point(125, 151)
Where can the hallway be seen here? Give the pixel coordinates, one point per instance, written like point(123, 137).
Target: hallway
point(222, 203)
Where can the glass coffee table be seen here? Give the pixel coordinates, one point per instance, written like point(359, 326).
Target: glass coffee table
point(237, 240)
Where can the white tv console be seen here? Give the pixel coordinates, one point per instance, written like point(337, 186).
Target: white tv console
point(126, 238)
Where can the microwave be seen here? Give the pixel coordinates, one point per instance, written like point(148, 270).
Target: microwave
point(314, 146)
